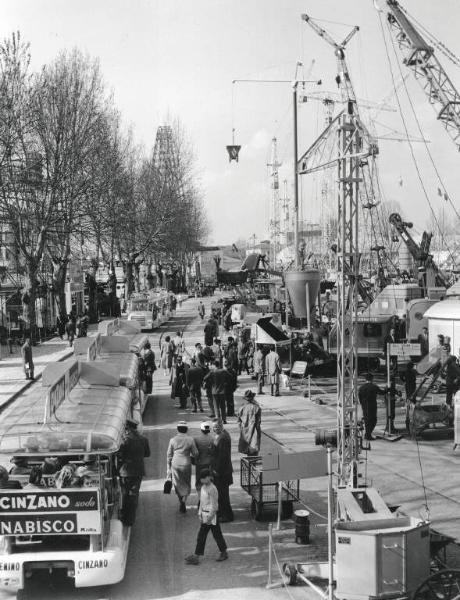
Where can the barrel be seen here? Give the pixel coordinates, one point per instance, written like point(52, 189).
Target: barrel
point(302, 526)
point(295, 282)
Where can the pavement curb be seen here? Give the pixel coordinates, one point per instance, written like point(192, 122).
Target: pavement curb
point(27, 385)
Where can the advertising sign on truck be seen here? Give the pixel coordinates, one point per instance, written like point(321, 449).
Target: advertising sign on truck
point(50, 512)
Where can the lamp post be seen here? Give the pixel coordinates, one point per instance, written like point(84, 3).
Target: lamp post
point(296, 176)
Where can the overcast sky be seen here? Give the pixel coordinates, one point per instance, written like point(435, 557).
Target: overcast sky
point(171, 58)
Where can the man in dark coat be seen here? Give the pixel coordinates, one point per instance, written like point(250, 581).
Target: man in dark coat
point(6, 483)
point(424, 342)
point(223, 470)
point(205, 446)
point(209, 332)
point(149, 367)
point(410, 379)
point(27, 361)
point(70, 330)
point(231, 354)
point(178, 382)
point(230, 390)
point(133, 450)
point(220, 381)
point(194, 379)
point(200, 357)
point(367, 394)
point(452, 370)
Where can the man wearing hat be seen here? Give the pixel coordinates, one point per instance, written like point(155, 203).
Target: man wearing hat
point(249, 419)
point(205, 447)
point(133, 450)
point(223, 470)
point(194, 379)
point(21, 466)
point(6, 483)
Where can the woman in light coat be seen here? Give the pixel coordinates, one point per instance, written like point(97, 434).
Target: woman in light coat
point(181, 449)
point(249, 419)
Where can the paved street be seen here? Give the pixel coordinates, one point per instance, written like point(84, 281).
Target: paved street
point(161, 536)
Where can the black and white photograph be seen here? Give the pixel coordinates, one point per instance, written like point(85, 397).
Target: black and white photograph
point(229, 300)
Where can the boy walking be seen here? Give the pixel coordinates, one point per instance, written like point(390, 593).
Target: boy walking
point(207, 513)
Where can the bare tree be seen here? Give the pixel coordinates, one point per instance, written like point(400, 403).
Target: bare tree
point(25, 204)
point(69, 111)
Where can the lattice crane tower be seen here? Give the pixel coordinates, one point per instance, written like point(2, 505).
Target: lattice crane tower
point(275, 204)
point(163, 152)
point(351, 155)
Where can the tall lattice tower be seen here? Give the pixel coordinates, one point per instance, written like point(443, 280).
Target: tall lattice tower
point(164, 155)
point(275, 203)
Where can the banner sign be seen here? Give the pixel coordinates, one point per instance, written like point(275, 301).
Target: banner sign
point(56, 395)
point(112, 327)
point(94, 348)
point(404, 350)
point(61, 388)
point(50, 512)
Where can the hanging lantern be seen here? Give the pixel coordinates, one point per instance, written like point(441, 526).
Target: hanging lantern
point(233, 150)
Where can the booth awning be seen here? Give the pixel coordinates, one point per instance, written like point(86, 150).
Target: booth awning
point(267, 333)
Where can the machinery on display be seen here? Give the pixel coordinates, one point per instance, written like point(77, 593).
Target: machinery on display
point(392, 550)
point(428, 273)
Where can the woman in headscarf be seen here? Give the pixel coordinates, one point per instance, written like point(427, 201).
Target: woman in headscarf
point(181, 449)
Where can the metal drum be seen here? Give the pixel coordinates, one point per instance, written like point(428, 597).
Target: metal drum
point(302, 526)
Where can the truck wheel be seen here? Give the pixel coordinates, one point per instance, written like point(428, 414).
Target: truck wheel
point(289, 574)
point(444, 584)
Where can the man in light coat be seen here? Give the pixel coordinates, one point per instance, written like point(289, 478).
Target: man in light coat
point(273, 369)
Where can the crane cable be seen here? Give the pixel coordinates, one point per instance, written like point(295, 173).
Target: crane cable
point(426, 196)
point(419, 175)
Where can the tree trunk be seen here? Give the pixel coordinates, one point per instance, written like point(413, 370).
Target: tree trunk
point(92, 291)
point(137, 275)
point(29, 298)
point(150, 277)
point(59, 281)
point(129, 285)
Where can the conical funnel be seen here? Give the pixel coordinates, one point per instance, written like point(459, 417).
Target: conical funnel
point(296, 285)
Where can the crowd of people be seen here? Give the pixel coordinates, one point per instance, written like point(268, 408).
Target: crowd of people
point(72, 325)
point(211, 453)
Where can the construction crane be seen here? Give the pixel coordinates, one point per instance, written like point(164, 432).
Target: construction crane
point(428, 272)
point(419, 56)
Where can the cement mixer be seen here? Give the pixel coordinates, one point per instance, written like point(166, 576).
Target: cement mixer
point(303, 288)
